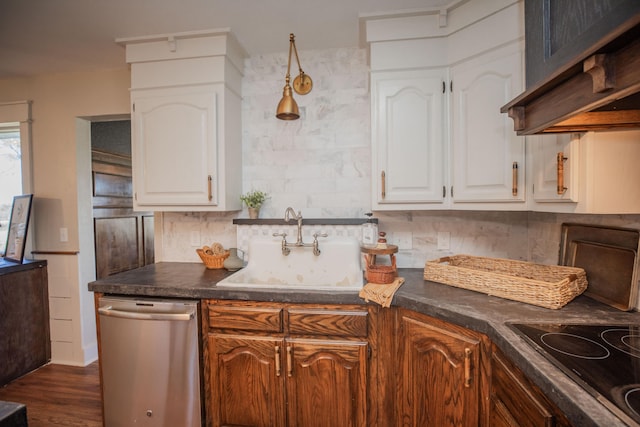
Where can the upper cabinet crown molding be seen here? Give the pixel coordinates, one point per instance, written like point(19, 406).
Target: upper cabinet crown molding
point(427, 23)
point(213, 56)
point(218, 42)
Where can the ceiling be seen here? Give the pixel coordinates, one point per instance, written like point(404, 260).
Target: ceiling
point(55, 36)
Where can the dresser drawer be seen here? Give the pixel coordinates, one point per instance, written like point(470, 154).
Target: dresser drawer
point(351, 323)
point(246, 318)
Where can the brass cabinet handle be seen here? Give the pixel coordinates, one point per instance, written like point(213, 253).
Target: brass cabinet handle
point(209, 187)
point(560, 159)
point(277, 361)
point(467, 367)
point(383, 177)
point(289, 361)
point(514, 179)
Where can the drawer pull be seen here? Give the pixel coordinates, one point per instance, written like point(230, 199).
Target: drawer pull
point(210, 187)
point(383, 177)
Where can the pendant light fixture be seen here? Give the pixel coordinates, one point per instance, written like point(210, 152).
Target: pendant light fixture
point(302, 84)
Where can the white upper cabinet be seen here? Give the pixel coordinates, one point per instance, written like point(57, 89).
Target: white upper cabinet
point(408, 138)
point(186, 128)
point(161, 148)
point(592, 172)
point(555, 164)
point(488, 158)
point(438, 80)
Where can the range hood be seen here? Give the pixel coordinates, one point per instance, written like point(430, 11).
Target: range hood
point(598, 89)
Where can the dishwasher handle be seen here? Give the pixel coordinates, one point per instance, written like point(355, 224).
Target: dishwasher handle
point(109, 311)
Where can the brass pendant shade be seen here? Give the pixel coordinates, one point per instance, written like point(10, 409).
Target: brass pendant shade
point(302, 84)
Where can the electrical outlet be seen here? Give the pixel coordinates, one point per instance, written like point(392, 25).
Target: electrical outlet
point(195, 238)
point(402, 239)
point(64, 234)
point(444, 240)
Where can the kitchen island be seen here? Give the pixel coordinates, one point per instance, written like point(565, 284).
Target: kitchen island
point(489, 316)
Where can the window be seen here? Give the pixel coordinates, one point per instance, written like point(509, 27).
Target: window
point(10, 174)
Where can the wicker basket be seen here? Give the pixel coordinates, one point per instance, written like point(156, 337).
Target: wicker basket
point(381, 274)
point(548, 286)
point(212, 261)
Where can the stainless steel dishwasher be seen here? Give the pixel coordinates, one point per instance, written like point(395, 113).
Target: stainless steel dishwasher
point(150, 362)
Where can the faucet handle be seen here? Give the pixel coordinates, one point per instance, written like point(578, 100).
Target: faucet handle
point(316, 235)
point(283, 235)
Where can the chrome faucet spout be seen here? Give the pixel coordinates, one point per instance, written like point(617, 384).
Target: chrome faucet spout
point(298, 217)
point(290, 211)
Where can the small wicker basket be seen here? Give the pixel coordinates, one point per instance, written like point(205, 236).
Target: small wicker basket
point(380, 274)
point(548, 286)
point(213, 261)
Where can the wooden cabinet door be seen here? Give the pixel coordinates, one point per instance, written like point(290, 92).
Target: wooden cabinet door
point(439, 374)
point(247, 381)
point(515, 402)
point(25, 342)
point(326, 383)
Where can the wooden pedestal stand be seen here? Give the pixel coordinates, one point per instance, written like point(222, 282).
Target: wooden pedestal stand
point(381, 274)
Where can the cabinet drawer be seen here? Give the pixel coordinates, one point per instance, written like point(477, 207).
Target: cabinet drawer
point(514, 399)
point(246, 318)
point(352, 323)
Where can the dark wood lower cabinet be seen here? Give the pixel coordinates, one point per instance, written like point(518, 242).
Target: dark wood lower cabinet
point(280, 365)
point(516, 402)
point(276, 364)
point(441, 378)
point(25, 342)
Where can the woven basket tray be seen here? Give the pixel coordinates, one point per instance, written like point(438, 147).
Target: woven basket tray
point(548, 286)
point(212, 261)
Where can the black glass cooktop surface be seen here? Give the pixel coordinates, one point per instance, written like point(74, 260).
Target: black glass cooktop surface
point(603, 359)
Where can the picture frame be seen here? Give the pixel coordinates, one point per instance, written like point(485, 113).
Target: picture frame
point(18, 225)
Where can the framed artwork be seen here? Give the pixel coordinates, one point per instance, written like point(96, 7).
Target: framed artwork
point(18, 224)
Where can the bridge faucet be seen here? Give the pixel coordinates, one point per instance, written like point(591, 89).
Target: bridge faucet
point(298, 217)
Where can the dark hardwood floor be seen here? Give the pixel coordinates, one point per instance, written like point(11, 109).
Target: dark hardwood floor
point(58, 395)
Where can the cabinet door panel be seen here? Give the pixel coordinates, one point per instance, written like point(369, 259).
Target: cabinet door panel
point(248, 387)
point(327, 383)
point(174, 147)
point(408, 137)
point(515, 402)
point(546, 177)
point(484, 146)
point(25, 342)
point(440, 376)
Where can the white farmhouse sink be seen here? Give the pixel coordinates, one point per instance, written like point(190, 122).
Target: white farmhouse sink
point(336, 268)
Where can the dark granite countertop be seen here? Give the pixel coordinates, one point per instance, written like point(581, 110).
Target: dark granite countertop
point(488, 315)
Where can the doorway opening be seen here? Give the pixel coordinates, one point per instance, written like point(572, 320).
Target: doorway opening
point(123, 237)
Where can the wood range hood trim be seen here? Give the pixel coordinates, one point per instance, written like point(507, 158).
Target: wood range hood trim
point(584, 94)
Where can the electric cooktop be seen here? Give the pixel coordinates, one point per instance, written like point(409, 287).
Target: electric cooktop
point(603, 359)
